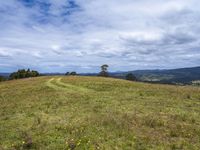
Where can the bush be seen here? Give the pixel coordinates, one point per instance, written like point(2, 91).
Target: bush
point(71, 73)
point(131, 77)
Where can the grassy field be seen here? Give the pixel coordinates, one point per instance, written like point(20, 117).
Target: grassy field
point(58, 113)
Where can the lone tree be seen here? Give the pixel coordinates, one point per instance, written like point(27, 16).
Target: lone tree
point(130, 77)
point(104, 71)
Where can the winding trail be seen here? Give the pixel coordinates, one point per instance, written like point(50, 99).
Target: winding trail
point(57, 84)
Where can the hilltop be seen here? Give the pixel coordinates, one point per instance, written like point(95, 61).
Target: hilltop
point(58, 112)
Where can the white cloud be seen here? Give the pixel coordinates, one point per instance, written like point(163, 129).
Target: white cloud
point(81, 35)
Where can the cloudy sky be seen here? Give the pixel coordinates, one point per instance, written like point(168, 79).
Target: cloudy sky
point(80, 35)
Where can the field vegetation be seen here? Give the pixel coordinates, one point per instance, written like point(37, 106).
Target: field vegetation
point(75, 112)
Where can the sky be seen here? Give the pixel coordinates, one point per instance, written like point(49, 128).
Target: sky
point(81, 35)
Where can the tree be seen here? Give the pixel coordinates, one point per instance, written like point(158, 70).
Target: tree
point(131, 77)
point(104, 71)
point(14, 75)
point(23, 74)
point(28, 73)
point(34, 73)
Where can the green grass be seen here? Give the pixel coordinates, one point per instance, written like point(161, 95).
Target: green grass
point(97, 113)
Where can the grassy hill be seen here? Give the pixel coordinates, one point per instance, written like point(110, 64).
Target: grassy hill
point(97, 113)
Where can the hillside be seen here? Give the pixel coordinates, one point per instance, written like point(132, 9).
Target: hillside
point(60, 112)
point(171, 76)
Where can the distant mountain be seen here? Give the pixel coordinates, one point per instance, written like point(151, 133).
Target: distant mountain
point(5, 74)
point(171, 76)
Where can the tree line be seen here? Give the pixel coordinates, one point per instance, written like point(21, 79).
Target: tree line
point(22, 73)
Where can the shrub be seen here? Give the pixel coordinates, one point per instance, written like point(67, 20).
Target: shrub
point(73, 73)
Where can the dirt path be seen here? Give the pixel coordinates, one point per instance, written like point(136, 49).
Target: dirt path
point(57, 84)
